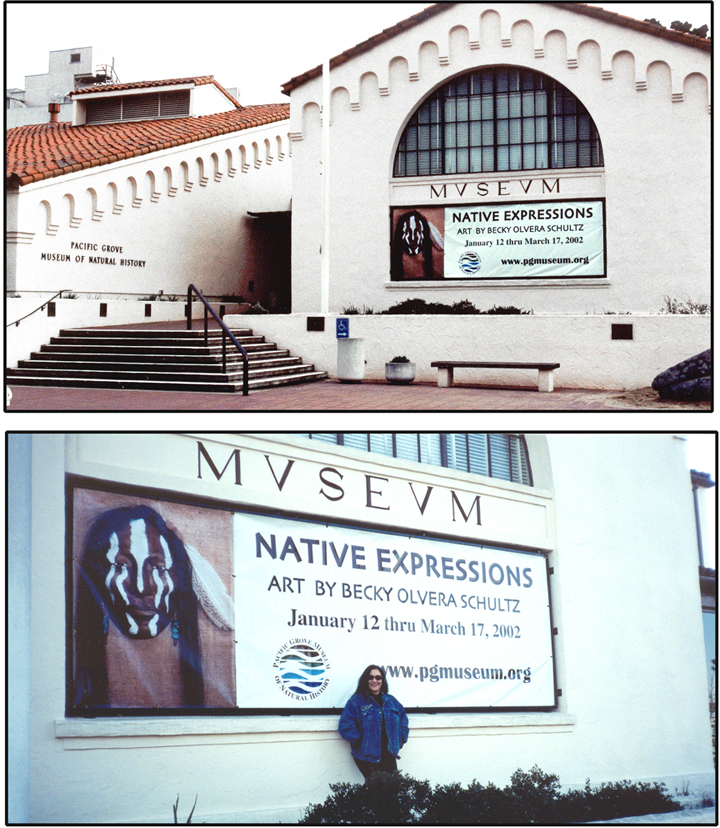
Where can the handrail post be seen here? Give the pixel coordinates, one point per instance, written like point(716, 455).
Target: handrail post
point(225, 332)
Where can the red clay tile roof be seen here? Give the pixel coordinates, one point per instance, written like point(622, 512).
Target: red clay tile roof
point(704, 44)
point(116, 87)
point(126, 87)
point(39, 151)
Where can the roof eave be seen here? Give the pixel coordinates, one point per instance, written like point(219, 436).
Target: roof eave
point(704, 44)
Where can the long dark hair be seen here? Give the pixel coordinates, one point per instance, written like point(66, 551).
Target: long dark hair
point(92, 606)
point(364, 687)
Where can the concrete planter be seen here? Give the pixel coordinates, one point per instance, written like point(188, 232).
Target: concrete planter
point(400, 373)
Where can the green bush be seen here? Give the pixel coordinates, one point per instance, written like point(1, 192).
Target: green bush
point(464, 306)
point(385, 799)
point(532, 797)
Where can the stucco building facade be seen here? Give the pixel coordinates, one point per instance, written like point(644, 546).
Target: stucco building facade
point(567, 565)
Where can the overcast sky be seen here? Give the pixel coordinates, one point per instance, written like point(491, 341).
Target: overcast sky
point(255, 47)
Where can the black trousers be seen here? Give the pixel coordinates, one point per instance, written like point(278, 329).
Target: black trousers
point(386, 764)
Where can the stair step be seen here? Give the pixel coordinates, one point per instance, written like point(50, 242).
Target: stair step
point(257, 361)
point(149, 341)
point(261, 351)
point(131, 333)
point(162, 350)
point(144, 374)
point(150, 385)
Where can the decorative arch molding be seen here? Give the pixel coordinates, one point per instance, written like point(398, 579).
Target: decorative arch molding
point(168, 183)
point(215, 161)
point(92, 198)
point(117, 207)
point(150, 182)
point(590, 57)
point(696, 87)
point(522, 37)
point(46, 211)
point(231, 170)
point(659, 79)
point(136, 201)
point(339, 102)
point(74, 220)
point(269, 158)
point(200, 166)
point(495, 27)
point(458, 40)
point(185, 171)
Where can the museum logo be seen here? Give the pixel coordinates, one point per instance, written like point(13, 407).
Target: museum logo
point(469, 262)
point(301, 667)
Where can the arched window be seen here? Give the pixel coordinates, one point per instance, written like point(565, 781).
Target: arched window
point(502, 456)
point(497, 119)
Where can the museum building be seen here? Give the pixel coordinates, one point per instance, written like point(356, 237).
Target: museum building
point(553, 158)
point(197, 608)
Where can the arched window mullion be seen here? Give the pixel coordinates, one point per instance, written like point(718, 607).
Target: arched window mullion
point(555, 150)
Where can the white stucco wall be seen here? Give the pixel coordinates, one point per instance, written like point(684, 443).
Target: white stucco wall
point(649, 100)
point(619, 529)
point(178, 216)
point(583, 345)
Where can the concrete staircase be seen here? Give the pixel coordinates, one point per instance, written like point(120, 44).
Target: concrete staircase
point(158, 359)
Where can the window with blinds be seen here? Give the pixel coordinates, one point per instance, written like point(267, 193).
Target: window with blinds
point(171, 104)
point(498, 119)
point(502, 456)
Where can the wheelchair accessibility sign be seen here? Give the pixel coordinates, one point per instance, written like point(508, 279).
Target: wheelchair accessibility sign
point(342, 328)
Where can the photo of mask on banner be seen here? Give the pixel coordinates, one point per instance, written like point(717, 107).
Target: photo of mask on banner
point(152, 604)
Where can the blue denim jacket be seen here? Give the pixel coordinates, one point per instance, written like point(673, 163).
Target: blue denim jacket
point(361, 725)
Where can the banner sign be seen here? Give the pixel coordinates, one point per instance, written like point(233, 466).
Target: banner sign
point(454, 625)
point(523, 240)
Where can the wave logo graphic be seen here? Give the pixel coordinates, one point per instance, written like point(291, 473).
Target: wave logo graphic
point(469, 262)
point(301, 670)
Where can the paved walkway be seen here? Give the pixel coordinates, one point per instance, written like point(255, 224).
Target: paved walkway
point(689, 816)
point(331, 396)
point(319, 396)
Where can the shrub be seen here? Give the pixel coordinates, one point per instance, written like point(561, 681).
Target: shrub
point(354, 310)
point(686, 307)
point(476, 804)
point(507, 309)
point(385, 799)
point(533, 797)
point(464, 306)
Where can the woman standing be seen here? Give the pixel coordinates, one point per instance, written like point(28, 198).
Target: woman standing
point(375, 724)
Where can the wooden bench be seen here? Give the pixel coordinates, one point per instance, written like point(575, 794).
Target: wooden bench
point(546, 370)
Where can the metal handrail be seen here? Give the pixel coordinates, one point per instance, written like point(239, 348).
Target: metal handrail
point(42, 307)
point(225, 331)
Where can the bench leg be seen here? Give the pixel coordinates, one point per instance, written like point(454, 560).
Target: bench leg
point(445, 377)
point(545, 380)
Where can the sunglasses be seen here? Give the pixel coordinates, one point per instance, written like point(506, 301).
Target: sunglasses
point(375, 678)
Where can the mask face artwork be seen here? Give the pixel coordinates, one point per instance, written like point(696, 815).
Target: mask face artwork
point(413, 235)
point(140, 579)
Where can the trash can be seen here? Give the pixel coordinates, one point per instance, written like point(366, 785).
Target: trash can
point(351, 360)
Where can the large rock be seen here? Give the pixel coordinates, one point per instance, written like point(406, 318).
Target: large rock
point(688, 380)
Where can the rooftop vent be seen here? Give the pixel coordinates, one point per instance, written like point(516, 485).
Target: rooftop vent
point(149, 106)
